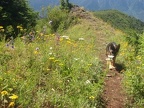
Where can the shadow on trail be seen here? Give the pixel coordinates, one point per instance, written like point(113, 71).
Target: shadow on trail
point(119, 67)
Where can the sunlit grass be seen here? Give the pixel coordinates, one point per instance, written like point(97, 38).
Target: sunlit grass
point(59, 72)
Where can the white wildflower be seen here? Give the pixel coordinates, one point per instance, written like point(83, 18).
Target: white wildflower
point(87, 82)
point(65, 37)
point(81, 39)
point(51, 48)
point(53, 89)
point(76, 59)
point(50, 22)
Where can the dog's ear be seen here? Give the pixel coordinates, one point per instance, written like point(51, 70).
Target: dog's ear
point(118, 47)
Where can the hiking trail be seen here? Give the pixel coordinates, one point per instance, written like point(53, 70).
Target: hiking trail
point(113, 94)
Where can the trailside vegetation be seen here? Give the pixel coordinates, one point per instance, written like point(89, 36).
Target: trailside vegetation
point(42, 68)
point(129, 25)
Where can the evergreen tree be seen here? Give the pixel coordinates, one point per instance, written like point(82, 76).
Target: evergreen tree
point(16, 12)
point(62, 2)
point(65, 4)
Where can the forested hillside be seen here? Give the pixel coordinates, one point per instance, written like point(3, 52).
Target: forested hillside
point(121, 21)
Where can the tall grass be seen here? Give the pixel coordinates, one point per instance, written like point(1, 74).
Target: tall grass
point(50, 71)
point(133, 76)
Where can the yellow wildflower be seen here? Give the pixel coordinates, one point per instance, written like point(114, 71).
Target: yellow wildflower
point(18, 26)
point(21, 29)
point(56, 61)
point(61, 39)
point(69, 42)
point(48, 69)
point(11, 104)
point(91, 97)
point(36, 52)
point(51, 58)
point(61, 64)
point(41, 34)
point(89, 64)
point(13, 97)
point(3, 93)
point(1, 27)
point(2, 30)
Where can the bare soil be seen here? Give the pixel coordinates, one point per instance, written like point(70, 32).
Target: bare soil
point(113, 94)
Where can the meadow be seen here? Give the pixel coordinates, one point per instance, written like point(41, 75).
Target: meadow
point(52, 70)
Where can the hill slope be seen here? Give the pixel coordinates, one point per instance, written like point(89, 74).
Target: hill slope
point(121, 21)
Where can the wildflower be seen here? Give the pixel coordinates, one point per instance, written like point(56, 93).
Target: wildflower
point(19, 27)
point(50, 53)
point(61, 64)
point(41, 34)
point(56, 61)
point(69, 42)
point(87, 82)
point(1, 78)
point(76, 59)
point(37, 48)
point(13, 97)
point(89, 64)
point(66, 37)
point(2, 30)
point(50, 22)
point(53, 89)
point(11, 104)
point(138, 57)
point(48, 69)
point(81, 39)
point(91, 97)
point(36, 52)
point(51, 48)
point(3, 93)
point(61, 39)
point(51, 58)
point(1, 27)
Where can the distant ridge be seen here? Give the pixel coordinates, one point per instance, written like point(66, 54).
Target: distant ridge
point(121, 21)
point(131, 7)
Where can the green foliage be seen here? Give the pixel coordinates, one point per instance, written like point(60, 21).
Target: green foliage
point(133, 39)
point(64, 4)
point(17, 12)
point(121, 21)
point(129, 25)
point(133, 76)
point(61, 19)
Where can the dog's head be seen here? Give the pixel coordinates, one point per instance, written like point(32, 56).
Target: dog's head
point(112, 49)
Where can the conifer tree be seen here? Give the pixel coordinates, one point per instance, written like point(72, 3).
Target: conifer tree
point(16, 12)
point(62, 2)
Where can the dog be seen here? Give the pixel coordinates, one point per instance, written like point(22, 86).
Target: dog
point(112, 49)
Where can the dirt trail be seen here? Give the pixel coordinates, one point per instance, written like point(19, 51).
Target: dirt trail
point(113, 94)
